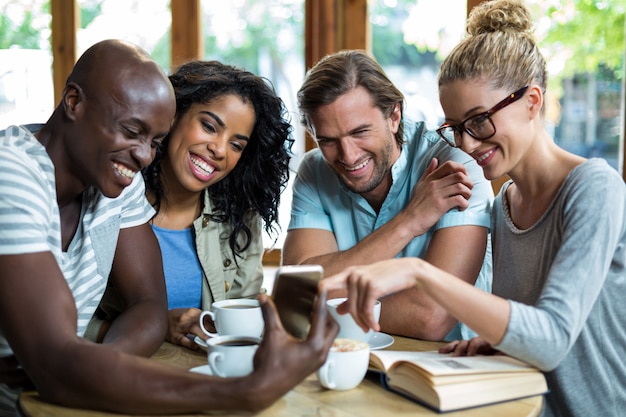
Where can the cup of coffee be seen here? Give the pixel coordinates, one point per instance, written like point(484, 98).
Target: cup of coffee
point(231, 356)
point(345, 365)
point(348, 329)
point(235, 317)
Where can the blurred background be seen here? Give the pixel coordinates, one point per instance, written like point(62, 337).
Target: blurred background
point(583, 41)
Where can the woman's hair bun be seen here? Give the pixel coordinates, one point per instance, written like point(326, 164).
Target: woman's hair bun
point(499, 16)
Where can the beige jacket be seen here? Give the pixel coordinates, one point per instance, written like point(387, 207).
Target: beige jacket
point(223, 277)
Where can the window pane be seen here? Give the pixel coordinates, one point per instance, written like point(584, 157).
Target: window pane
point(146, 23)
point(26, 89)
point(265, 37)
point(583, 43)
point(421, 38)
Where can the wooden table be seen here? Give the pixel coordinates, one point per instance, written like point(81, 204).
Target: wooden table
point(309, 398)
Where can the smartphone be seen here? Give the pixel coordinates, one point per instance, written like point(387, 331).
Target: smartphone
point(294, 293)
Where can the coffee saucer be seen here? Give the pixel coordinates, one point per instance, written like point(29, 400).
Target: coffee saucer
point(381, 340)
point(204, 369)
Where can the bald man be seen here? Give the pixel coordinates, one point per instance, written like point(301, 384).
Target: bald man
point(72, 215)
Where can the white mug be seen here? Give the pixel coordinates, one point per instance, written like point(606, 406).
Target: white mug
point(232, 356)
point(348, 329)
point(236, 317)
point(345, 365)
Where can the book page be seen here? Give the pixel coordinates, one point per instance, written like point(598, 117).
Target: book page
point(435, 363)
point(381, 360)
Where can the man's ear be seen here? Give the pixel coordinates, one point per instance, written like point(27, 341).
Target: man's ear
point(73, 97)
point(395, 118)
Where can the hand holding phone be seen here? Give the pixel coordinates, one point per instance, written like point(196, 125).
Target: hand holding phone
point(294, 293)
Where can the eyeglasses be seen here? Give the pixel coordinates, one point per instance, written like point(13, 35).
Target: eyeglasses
point(479, 126)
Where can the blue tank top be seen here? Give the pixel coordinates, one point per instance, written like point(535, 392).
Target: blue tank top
point(183, 274)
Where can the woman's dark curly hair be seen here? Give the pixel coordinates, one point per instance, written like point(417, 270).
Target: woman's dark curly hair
point(260, 176)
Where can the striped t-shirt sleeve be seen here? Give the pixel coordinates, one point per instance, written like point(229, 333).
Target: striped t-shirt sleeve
point(27, 219)
point(136, 209)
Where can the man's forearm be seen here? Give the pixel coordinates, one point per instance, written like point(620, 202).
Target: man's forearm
point(139, 330)
point(412, 313)
point(384, 243)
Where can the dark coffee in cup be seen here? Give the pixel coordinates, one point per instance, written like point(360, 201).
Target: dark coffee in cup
point(231, 356)
point(234, 317)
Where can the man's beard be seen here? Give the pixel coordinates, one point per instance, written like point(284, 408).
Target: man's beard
point(381, 168)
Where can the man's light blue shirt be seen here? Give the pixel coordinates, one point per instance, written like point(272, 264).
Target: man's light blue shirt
point(322, 201)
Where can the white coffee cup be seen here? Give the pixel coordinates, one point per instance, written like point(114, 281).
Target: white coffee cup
point(345, 365)
point(232, 356)
point(348, 329)
point(235, 317)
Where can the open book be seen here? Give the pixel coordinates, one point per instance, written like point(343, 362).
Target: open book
point(446, 383)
